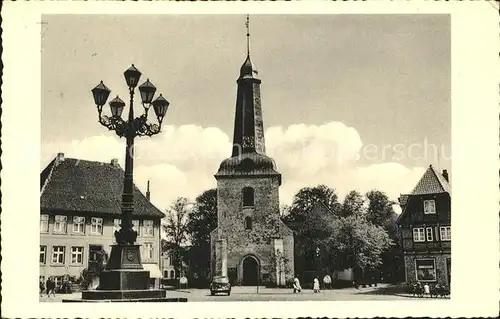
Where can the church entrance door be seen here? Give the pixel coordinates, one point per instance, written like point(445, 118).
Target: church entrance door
point(250, 271)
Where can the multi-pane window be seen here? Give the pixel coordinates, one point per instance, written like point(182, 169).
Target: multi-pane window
point(418, 235)
point(58, 255)
point(96, 225)
point(43, 254)
point(44, 223)
point(79, 225)
point(135, 226)
point(445, 233)
point(77, 255)
point(148, 228)
point(147, 251)
point(170, 261)
point(429, 206)
point(429, 234)
point(60, 224)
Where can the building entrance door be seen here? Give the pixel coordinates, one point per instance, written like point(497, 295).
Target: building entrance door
point(250, 271)
point(94, 256)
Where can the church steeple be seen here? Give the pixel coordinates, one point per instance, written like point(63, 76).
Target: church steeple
point(248, 155)
point(248, 124)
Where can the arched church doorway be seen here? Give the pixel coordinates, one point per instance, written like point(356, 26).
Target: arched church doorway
point(250, 271)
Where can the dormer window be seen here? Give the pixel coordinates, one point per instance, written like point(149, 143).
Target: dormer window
point(248, 197)
point(248, 222)
point(429, 206)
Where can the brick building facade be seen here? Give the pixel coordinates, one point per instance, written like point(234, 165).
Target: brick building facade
point(425, 228)
point(250, 245)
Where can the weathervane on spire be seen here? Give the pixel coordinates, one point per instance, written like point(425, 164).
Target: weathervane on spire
point(247, 24)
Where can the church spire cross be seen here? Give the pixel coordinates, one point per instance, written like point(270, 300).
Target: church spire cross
point(247, 24)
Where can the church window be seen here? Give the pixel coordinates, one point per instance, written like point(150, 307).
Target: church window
point(248, 222)
point(248, 197)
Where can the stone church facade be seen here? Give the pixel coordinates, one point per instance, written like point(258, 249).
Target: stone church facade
point(250, 245)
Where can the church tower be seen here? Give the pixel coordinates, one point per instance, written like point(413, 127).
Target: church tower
point(250, 245)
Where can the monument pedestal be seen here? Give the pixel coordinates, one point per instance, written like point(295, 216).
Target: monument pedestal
point(124, 278)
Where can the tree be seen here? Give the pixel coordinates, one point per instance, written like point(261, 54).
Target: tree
point(176, 231)
point(380, 209)
point(381, 213)
point(353, 205)
point(202, 220)
point(309, 216)
point(356, 243)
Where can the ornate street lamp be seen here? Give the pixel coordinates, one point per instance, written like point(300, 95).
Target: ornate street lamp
point(124, 270)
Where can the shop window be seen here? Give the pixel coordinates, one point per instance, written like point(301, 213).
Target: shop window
point(425, 269)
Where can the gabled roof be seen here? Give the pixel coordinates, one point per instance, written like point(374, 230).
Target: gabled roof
point(82, 186)
point(432, 182)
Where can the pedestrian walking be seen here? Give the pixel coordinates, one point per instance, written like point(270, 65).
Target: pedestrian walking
point(50, 287)
point(327, 281)
point(42, 286)
point(316, 285)
point(427, 290)
point(296, 285)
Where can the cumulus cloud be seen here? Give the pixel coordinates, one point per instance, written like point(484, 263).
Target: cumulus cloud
point(181, 160)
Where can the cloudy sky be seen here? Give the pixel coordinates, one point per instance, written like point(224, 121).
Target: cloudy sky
point(350, 101)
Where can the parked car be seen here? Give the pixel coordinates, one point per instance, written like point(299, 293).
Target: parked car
point(220, 284)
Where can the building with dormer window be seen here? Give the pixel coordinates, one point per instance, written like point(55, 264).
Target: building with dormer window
point(80, 209)
point(425, 228)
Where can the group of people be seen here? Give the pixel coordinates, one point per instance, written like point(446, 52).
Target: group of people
point(49, 286)
point(327, 281)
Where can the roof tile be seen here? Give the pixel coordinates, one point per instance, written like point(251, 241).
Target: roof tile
point(432, 182)
point(88, 186)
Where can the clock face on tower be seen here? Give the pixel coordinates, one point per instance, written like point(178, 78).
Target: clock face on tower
point(248, 141)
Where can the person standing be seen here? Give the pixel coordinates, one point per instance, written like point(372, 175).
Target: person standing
point(316, 285)
point(296, 285)
point(427, 290)
point(327, 281)
point(42, 286)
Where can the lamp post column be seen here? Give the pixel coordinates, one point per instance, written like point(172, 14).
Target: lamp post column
point(129, 236)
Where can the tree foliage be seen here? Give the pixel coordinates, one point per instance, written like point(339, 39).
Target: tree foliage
point(331, 235)
point(380, 209)
point(353, 205)
point(311, 210)
point(202, 220)
point(357, 243)
point(176, 234)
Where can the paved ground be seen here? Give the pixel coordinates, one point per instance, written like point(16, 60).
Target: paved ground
point(383, 292)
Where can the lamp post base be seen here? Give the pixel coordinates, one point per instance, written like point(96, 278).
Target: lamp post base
point(124, 278)
point(137, 295)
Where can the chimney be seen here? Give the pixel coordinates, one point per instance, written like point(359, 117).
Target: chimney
point(148, 193)
point(114, 162)
point(445, 175)
point(59, 158)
